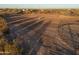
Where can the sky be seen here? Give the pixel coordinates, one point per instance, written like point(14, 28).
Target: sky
point(39, 6)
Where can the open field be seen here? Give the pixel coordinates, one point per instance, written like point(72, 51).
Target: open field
point(44, 32)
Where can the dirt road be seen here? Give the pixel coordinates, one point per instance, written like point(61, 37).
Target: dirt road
point(44, 33)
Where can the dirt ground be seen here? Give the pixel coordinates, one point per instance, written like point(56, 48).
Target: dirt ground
point(51, 38)
point(57, 38)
